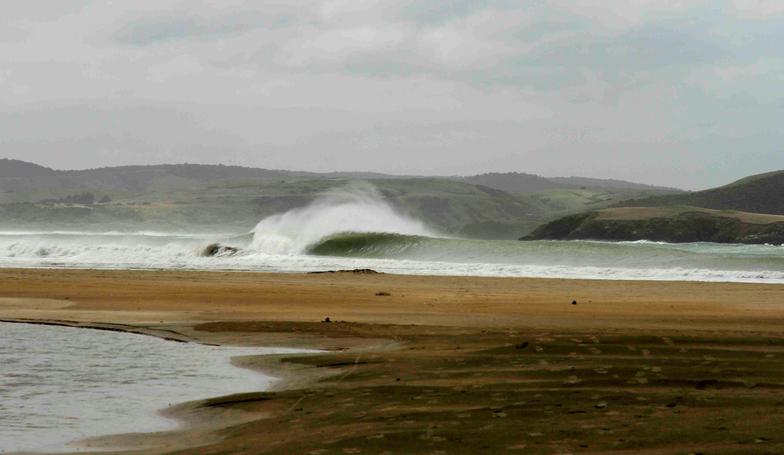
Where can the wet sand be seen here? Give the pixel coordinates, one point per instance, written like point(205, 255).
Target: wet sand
point(451, 364)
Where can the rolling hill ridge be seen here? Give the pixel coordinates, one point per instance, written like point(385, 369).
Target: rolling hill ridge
point(763, 193)
point(206, 197)
point(750, 210)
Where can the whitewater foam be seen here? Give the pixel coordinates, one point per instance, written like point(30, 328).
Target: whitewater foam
point(357, 207)
point(416, 255)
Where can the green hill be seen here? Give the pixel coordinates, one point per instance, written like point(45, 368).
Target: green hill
point(207, 197)
point(521, 183)
point(762, 193)
point(669, 224)
point(584, 182)
point(448, 206)
point(22, 169)
point(514, 182)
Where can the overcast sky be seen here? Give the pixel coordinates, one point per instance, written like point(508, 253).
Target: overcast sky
point(681, 93)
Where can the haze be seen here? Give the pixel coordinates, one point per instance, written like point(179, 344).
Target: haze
point(677, 93)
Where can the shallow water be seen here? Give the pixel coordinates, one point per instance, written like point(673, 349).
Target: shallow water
point(60, 384)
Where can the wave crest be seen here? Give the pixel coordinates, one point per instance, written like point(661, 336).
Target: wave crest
point(365, 244)
point(357, 208)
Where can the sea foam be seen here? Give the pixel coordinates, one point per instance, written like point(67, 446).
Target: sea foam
point(357, 207)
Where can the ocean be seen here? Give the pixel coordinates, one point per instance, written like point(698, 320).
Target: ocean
point(418, 253)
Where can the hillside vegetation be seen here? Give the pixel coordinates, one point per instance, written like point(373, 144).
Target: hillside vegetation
point(762, 193)
point(750, 210)
point(195, 197)
point(22, 169)
point(522, 183)
point(669, 224)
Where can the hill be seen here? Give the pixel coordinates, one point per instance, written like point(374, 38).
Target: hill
point(22, 169)
point(763, 193)
point(513, 182)
point(674, 224)
point(204, 197)
point(584, 182)
point(207, 197)
point(521, 183)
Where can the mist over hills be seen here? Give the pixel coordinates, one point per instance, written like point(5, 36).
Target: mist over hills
point(200, 197)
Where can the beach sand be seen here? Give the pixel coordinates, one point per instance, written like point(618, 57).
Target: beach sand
point(450, 364)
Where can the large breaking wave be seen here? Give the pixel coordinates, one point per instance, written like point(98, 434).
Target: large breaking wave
point(358, 207)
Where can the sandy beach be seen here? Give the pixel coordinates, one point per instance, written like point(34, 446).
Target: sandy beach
point(450, 364)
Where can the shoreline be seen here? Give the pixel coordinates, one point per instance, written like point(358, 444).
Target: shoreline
point(256, 309)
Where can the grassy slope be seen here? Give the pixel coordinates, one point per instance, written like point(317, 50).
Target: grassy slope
point(200, 197)
point(747, 211)
point(514, 182)
point(449, 206)
point(22, 169)
point(670, 224)
point(646, 213)
point(759, 193)
point(559, 202)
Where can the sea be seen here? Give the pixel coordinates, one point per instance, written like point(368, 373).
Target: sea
point(414, 253)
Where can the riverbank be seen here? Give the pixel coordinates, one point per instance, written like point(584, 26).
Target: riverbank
point(452, 364)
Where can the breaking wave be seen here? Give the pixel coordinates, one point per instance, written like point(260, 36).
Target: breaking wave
point(357, 207)
point(367, 244)
point(553, 253)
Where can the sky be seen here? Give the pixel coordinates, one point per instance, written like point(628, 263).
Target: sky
point(678, 93)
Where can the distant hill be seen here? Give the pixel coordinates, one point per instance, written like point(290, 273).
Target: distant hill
point(132, 178)
point(13, 174)
point(22, 169)
point(521, 183)
point(199, 197)
point(763, 193)
point(750, 210)
point(668, 224)
point(204, 197)
point(513, 182)
point(585, 182)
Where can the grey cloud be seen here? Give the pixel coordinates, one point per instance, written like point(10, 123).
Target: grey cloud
point(569, 87)
point(161, 29)
point(435, 13)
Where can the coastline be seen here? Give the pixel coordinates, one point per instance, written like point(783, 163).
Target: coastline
point(422, 317)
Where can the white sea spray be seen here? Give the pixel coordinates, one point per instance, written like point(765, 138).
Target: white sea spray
point(356, 207)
